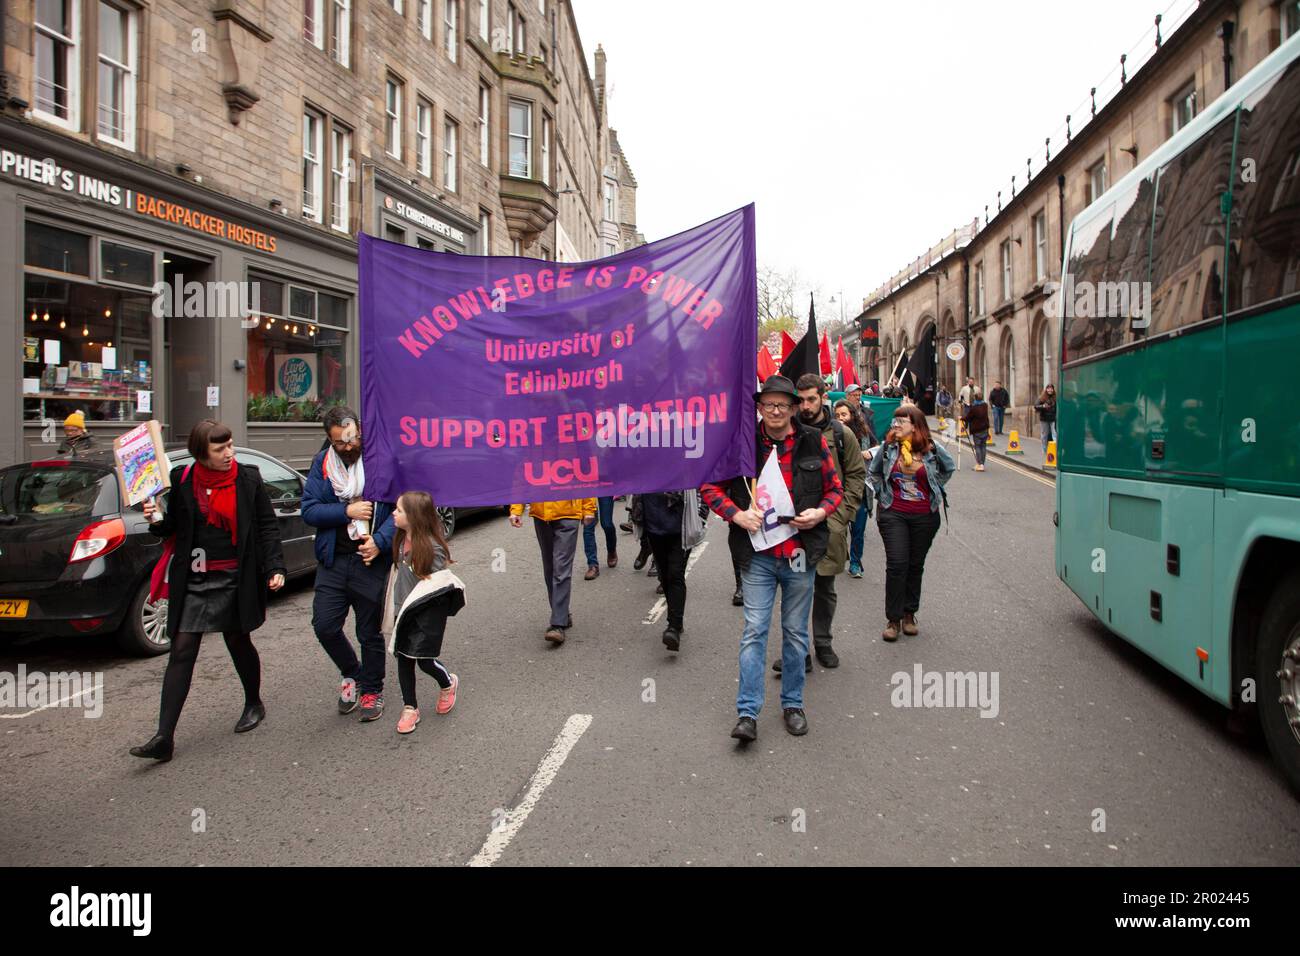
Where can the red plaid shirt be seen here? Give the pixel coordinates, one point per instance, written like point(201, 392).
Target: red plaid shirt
point(716, 497)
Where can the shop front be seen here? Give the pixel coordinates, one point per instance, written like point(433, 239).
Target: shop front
point(139, 295)
point(402, 214)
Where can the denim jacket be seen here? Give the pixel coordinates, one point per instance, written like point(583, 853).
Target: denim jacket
point(938, 469)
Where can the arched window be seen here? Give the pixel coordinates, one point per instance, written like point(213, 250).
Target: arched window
point(1044, 355)
point(1007, 366)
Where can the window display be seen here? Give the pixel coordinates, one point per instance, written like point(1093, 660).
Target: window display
point(295, 364)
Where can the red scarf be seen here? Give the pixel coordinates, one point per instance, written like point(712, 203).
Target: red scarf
point(215, 493)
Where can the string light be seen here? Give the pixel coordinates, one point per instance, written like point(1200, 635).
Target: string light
point(47, 317)
point(108, 313)
point(33, 315)
point(85, 331)
point(63, 323)
point(295, 330)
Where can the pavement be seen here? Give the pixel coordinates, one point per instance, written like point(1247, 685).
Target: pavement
point(611, 750)
point(1032, 455)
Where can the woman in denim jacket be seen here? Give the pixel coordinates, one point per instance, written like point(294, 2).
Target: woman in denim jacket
point(908, 474)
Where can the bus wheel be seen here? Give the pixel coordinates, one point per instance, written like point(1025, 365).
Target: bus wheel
point(1277, 668)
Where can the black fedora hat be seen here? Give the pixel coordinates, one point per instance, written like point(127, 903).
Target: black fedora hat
point(780, 384)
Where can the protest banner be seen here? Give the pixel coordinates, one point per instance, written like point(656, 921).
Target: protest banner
point(488, 380)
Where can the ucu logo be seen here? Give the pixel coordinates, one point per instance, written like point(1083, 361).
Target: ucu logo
point(562, 472)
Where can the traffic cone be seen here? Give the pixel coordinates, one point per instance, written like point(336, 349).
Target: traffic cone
point(1013, 444)
point(961, 432)
point(1050, 460)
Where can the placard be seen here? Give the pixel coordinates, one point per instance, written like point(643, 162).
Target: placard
point(144, 401)
point(51, 351)
point(773, 499)
point(143, 470)
point(295, 377)
point(214, 396)
point(109, 358)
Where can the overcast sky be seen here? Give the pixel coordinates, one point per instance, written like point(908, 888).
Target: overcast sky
point(864, 132)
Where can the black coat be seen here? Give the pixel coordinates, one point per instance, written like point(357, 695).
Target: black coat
point(257, 541)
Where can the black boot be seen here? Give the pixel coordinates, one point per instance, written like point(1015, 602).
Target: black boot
point(160, 748)
point(738, 599)
point(253, 715)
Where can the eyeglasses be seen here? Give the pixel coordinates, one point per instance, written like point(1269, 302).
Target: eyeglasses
point(346, 444)
point(775, 406)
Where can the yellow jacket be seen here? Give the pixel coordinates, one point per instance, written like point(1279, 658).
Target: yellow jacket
point(558, 510)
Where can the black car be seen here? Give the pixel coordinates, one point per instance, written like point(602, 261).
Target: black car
point(74, 561)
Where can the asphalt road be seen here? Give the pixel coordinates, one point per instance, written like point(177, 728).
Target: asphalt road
point(1084, 724)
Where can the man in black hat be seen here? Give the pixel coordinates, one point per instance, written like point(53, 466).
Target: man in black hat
point(810, 477)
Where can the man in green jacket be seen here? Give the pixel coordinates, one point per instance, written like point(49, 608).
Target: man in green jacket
point(852, 469)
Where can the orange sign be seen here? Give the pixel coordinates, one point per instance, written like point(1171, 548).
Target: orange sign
point(203, 222)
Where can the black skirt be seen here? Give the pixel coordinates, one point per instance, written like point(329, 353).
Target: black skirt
point(211, 603)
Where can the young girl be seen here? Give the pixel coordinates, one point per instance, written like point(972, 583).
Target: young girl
point(422, 594)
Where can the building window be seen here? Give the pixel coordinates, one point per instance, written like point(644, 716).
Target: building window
point(341, 31)
point(312, 26)
point(423, 137)
point(450, 37)
point(297, 353)
point(394, 233)
point(610, 249)
point(393, 118)
point(546, 149)
point(1096, 181)
point(450, 134)
point(424, 17)
point(521, 135)
point(396, 5)
point(611, 202)
point(1006, 270)
point(340, 177)
point(516, 247)
point(484, 21)
point(58, 76)
point(117, 75)
point(1183, 108)
point(979, 288)
point(313, 127)
point(1290, 19)
point(484, 125)
point(484, 233)
point(1040, 246)
point(516, 31)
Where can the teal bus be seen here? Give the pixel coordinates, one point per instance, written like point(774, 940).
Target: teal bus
point(1178, 491)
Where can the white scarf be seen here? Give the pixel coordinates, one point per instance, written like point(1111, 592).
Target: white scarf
point(349, 482)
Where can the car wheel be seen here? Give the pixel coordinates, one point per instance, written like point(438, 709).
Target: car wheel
point(448, 516)
point(1277, 668)
point(144, 632)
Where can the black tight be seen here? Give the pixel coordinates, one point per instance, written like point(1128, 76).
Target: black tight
point(406, 675)
point(180, 671)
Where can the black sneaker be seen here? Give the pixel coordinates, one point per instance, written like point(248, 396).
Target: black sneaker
point(348, 696)
point(746, 730)
point(672, 638)
point(372, 706)
point(807, 664)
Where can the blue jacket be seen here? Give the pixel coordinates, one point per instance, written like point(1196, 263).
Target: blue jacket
point(322, 510)
point(938, 469)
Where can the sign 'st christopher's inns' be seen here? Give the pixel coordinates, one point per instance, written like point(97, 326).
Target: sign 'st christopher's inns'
point(489, 380)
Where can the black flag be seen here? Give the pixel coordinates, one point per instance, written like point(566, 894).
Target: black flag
point(803, 357)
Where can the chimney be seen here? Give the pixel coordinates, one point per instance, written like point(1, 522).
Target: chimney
point(600, 79)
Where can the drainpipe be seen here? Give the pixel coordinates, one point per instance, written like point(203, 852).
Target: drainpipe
point(1227, 29)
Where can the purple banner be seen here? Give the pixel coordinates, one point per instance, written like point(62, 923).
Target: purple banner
point(488, 380)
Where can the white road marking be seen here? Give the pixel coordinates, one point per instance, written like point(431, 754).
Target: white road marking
point(661, 605)
point(499, 838)
point(99, 687)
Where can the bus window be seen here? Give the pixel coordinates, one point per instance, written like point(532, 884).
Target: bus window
point(1188, 233)
point(1089, 247)
point(1266, 197)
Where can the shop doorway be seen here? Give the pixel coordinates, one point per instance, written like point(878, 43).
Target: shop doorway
point(189, 342)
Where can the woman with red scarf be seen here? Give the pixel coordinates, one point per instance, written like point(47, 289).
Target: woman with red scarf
point(225, 554)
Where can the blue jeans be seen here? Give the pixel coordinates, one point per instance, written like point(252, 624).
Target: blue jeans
point(998, 413)
point(760, 582)
point(856, 531)
point(1049, 434)
point(605, 510)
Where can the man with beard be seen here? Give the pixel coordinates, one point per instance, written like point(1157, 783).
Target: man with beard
point(846, 454)
point(354, 544)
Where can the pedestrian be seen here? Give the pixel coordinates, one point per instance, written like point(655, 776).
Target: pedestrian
point(789, 566)
point(963, 397)
point(857, 421)
point(875, 388)
point(977, 426)
point(673, 525)
point(999, 401)
point(76, 440)
point(909, 473)
point(846, 454)
point(222, 556)
point(605, 511)
point(944, 403)
point(354, 545)
point(1046, 408)
point(420, 596)
point(556, 525)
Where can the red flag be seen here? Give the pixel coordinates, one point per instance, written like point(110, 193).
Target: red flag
point(824, 354)
point(766, 365)
point(844, 365)
point(787, 345)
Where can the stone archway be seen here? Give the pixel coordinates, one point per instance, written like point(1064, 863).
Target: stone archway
point(926, 386)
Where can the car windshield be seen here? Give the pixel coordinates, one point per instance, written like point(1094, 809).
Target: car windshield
point(57, 490)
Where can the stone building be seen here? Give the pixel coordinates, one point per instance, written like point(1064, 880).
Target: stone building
point(243, 145)
point(986, 284)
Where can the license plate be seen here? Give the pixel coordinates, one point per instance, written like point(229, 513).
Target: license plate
point(11, 607)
